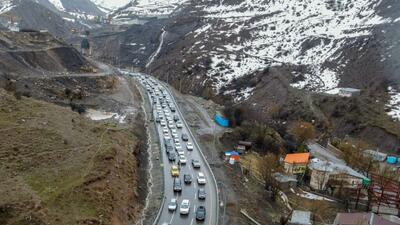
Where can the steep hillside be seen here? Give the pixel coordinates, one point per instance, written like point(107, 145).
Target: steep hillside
point(82, 9)
point(37, 53)
point(287, 55)
point(140, 11)
point(111, 5)
point(31, 15)
point(233, 39)
point(60, 168)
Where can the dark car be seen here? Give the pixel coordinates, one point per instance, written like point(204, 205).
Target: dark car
point(201, 194)
point(201, 213)
point(176, 118)
point(187, 178)
point(177, 185)
point(169, 149)
point(168, 143)
point(171, 156)
point(195, 163)
point(173, 109)
point(185, 137)
point(158, 119)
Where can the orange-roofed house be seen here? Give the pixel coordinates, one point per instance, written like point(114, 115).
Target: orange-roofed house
point(296, 163)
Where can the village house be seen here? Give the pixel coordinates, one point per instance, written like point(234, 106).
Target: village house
point(326, 174)
point(300, 218)
point(296, 163)
point(361, 219)
point(349, 92)
point(376, 155)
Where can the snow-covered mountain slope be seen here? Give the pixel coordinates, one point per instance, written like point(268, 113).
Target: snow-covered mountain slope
point(149, 8)
point(32, 15)
point(309, 32)
point(111, 5)
point(237, 38)
point(6, 5)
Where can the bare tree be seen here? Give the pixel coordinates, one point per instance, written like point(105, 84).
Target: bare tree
point(302, 131)
point(268, 165)
point(354, 156)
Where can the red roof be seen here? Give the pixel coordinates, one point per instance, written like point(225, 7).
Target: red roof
point(361, 219)
point(297, 158)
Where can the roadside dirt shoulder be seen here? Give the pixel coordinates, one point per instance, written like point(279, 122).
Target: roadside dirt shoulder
point(152, 172)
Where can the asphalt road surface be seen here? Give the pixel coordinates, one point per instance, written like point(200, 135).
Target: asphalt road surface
point(189, 191)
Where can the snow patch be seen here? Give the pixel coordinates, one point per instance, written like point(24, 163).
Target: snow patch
point(5, 6)
point(150, 8)
point(101, 115)
point(261, 32)
point(313, 196)
point(58, 4)
point(394, 103)
point(111, 4)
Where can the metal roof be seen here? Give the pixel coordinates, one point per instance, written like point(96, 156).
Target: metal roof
point(333, 168)
point(300, 217)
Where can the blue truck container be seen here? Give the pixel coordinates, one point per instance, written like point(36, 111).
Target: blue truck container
point(391, 160)
point(223, 122)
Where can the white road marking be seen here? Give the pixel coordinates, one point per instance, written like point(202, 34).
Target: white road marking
point(185, 129)
point(195, 195)
point(172, 218)
point(194, 207)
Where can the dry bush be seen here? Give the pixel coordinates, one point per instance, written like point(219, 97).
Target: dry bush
point(302, 131)
point(354, 157)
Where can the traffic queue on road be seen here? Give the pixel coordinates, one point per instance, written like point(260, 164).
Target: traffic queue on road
point(177, 146)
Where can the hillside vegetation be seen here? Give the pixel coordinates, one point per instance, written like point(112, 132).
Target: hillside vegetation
point(57, 167)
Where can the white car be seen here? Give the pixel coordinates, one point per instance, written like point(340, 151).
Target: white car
point(176, 140)
point(163, 123)
point(174, 134)
point(180, 152)
point(182, 159)
point(179, 124)
point(173, 204)
point(171, 125)
point(185, 207)
point(165, 130)
point(201, 179)
point(167, 114)
point(189, 146)
point(167, 136)
point(166, 110)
